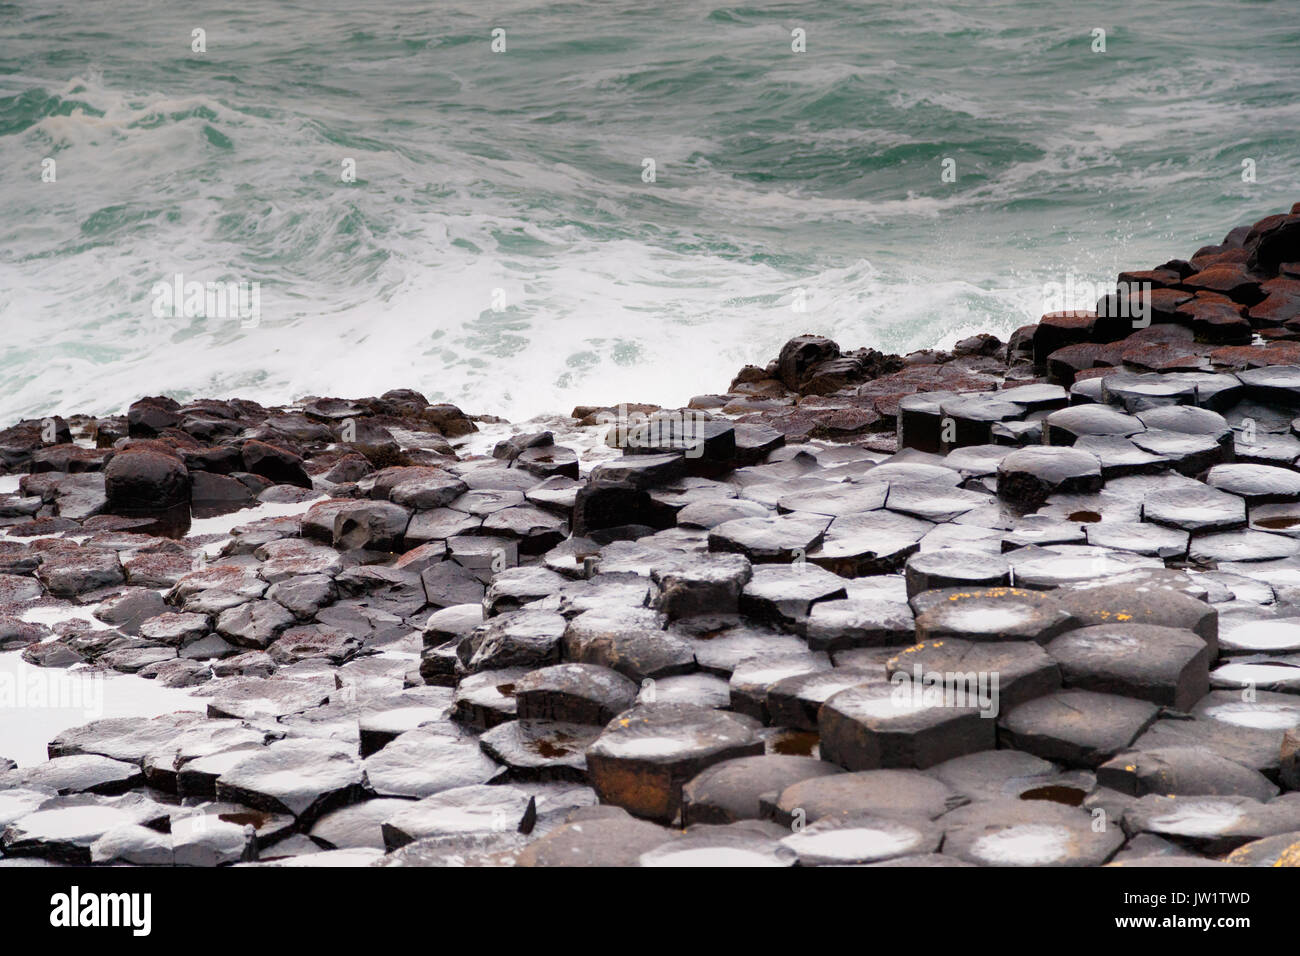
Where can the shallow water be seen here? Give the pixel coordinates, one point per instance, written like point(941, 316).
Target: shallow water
point(38, 703)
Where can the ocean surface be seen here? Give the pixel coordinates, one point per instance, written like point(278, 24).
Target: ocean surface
point(499, 247)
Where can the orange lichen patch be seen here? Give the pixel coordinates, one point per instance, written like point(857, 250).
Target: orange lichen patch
point(1289, 857)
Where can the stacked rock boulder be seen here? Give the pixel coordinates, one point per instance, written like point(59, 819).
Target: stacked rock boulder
point(1027, 604)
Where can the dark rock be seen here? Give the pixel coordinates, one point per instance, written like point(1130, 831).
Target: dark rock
point(376, 525)
point(422, 762)
point(1028, 833)
point(1079, 728)
point(1185, 771)
point(1030, 476)
point(1165, 665)
point(883, 725)
point(643, 758)
point(145, 481)
point(574, 693)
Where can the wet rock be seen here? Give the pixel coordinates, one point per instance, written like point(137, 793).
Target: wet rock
point(1028, 833)
point(449, 584)
point(477, 809)
point(303, 777)
point(258, 698)
point(989, 614)
point(65, 828)
point(145, 481)
point(214, 589)
point(451, 623)
point(128, 610)
point(1195, 509)
point(640, 471)
point(711, 513)
point(487, 698)
point(1060, 565)
point(734, 789)
point(574, 693)
point(422, 762)
point(1247, 732)
point(952, 567)
point(1023, 669)
point(875, 725)
point(70, 573)
point(16, 589)
point(872, 543)
point(1139, 537)
point(121, 738)
point(255, 624)
point(1211, 824)
point(785, 595)
point(1139, 601)
point(753, 677)
point(631, 642)
point(383, 720)
point(1278, 635)
point(855, 839)
point(1079, 728)
point(156, 570)
point(515, 587)
point(1185, 771)
point(483, 553)
point(309, 642)
point(700, 585)
point(997, 774)
point(215, 493)
point(1056, 330)
point(934, 501)
point(1242, 546)
point(128, 660)
point(540, 750)
point(82, 773)
point(720, 846)
point(1280, 850)
point(837, 625)
point(795, 701)
point(292, 557)
point(1029, 476)
point(1164, 665)
point(1257, 484)
point(528, 638)
point(177, 630)
point(356, 826)
point(1273, 385)
point(177, 673)
point(643, 758)
point(614, 841)
point(374, 525)
point(1067, 425)
point(304, 595)
point(778, 539)
point(600, 506)
point(888, 793)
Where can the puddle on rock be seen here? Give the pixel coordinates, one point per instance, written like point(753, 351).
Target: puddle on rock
point(1289, 521)
point(794, 743)
point(1057, 793)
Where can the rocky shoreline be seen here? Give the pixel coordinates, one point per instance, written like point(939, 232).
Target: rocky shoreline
point(1025, 603)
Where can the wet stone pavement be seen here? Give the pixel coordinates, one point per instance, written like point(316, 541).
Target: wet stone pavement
point(1033, 603)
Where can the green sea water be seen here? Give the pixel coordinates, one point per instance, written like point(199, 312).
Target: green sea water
point(500, 246)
